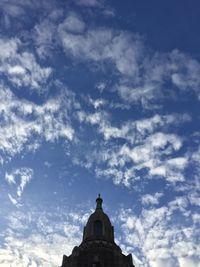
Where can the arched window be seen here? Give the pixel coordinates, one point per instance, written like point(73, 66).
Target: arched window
point(98, 228)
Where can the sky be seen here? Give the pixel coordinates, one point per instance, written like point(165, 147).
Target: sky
point(100, 96)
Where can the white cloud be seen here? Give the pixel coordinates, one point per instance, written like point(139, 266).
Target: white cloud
point(196, 155)
point(133, 94)
point(97, 103)
point(20, 9)
point(131, 131)
point(21, 120)
point(151, 199)
point(168, 262)
point(189, 261)
point(13, 10)
point(159, 239)
point(103, 44)
point(13, 200)
point(142, 76)
point(36, 239)
point(101, 86)
point(16, 70)
point(141, 146)
point(191, 67)
point(180, 204)
point(195, 198)
point(36, 250)
point(20, 178)
point(150, 144)
point(26, 175)
point(147, 156)
point(44, 37)
point(20, 66)
point(174, 167)
point(10, 178)
point(174, 67)
point(73, 23)
point(89, 3)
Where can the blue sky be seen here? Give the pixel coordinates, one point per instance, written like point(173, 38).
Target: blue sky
point(100, 97)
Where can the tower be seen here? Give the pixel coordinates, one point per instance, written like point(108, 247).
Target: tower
point(98, 248)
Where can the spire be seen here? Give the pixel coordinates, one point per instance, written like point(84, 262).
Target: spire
point(99, 201)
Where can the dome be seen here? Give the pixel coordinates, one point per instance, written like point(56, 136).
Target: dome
point(99, 225)
point(98, 247)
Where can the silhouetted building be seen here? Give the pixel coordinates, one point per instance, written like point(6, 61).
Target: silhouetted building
point(98, 248)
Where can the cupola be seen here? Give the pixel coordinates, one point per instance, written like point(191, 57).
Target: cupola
point(98, 248)
point(98, 225)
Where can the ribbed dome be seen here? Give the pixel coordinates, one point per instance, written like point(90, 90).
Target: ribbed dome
point(98, 225)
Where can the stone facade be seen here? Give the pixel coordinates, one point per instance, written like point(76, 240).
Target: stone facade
point(98, 248)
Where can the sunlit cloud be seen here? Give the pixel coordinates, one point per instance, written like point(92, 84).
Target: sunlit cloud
point(88, 103)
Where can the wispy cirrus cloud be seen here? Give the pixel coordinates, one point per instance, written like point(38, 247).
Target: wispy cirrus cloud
point(130, 120)
point(18, 178)
point(17, 8)
point(145, 148)
point(154, 155)
point(73, 23)
point(102, 44)
point(176, 69)
point(20, 67)
point(151, 199)
point(45, 34)
point(34, 238)
point(23, 120)
point(89, 3)
point(163, 238)
point(143, 76)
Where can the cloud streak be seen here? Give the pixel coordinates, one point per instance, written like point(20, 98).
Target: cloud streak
point(23, 119)
point(19, 67)
point(142, 76)
point(19, 178)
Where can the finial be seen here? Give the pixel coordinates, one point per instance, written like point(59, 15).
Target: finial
point(99, 201)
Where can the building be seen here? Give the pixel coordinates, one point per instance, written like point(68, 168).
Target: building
point(98, 247)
